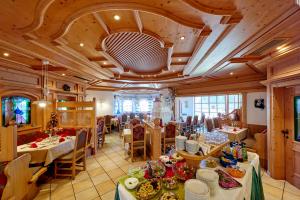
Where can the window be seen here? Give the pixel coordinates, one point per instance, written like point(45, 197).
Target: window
point(127, 106)
point(16, 108)
point(212, 105)
point(144, 105)
point(234, 102)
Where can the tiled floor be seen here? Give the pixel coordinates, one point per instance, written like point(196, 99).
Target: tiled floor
point(110, 163)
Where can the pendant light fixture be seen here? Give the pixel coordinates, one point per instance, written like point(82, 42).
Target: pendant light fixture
point(43, 102)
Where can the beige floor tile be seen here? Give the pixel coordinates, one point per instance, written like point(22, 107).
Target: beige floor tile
point(100, 178)
point(272, 193)
point(115, 173)
point(291, 189)
point(60, 193)
point(109, 196)
point(43, 196)
point(116, 180)
point(88, 194)
point(272, 182)
point(95, 172)
point(80, 177)
point(110, 167)
point(92, 166)
point(125, 168)
point(82, 185)
point(105, 187)
point(102, 158)
point(122, 162)
point(290, 196)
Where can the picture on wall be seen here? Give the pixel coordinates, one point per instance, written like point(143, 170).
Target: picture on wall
point(259, 103)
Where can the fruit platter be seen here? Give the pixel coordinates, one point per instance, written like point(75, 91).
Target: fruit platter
point(148, 189)
point(168, 196)
point(226, 181)
point(170, 183)
point(155, 169)
point(235, 172)
point(184, 172)
point(168, 162)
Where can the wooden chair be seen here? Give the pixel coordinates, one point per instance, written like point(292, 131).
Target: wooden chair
point(188, 123)
point(107, 119)
point(122, 124)
point(138, 139)
point(131, 115)
point(100, 132)
point(21, 180)
point(169, 135)
point(141, 116)
point(134, 122)
point(209, 124)
point(195, 123)
point(72, 161)
point(217, 122)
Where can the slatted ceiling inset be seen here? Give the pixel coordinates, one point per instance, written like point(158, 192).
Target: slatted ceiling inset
point(239, 69)
point(139, 52)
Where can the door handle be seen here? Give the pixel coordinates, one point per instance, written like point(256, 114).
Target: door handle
point(285, 133)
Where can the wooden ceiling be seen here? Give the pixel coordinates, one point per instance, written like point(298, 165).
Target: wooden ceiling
point(142, 44)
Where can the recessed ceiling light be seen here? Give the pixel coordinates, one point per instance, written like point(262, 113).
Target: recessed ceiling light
point(231, 73)
point(282, 48)
point(182, 37)
point(104, 63)
point(173, 70)
point(117, 17)
point(6, 54)
point(81, 44)
point(63, 74)
point(179, 59)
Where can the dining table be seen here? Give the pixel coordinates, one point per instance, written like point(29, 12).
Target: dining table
point(234, 133)
point(48, 149)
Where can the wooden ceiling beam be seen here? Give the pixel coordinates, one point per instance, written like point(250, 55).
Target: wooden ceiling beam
point(113, 61)
point(108, 66)
point(254, 68)
point(181, 55)
point(50, 68)
point(138, 20)
point(246, 59)
point(97, 59)
point(179, 63)
point(102, 23)
point(170, 52)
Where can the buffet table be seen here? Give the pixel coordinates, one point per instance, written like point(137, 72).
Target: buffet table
point(234, 133)
point(252, 169)
point(47, 150)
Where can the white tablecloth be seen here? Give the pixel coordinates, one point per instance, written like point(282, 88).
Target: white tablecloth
point(238, 135)
point(47, 150)
point(221, 194)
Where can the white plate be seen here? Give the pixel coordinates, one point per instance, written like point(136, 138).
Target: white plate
point(131, 183)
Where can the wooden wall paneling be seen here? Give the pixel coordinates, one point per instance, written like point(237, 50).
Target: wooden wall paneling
point(289, 94)
point(244, 109)
point(296, 169)
point(277, 147)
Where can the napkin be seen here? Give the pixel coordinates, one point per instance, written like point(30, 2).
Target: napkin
point(39, 140)
point(33, 145)
point(61, 139)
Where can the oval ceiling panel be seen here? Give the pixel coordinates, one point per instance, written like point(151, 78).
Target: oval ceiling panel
point(138, 52)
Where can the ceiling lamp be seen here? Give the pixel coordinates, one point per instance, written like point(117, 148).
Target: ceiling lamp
point(6, 54)
point(182, 38)
point(63, 74)
point(81, 44)
point(117, 17)
point(45, 90)
point(179, 59)
point(231, 73)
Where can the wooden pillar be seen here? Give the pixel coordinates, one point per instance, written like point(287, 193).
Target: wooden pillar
point(244, 109)
point(276, 140)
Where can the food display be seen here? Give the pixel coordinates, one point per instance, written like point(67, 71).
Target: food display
point(170, 183)
point(131, 183)
point(148, 189)
point(168, 162)
point(210, 163)
point(169, 196)
point(184, 172)
point(236, 173)
point(177, 157)
point(156, 169)
point(226, 181)
point(136, 172)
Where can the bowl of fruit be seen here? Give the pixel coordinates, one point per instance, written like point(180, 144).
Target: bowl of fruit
point(170, 183)
point(156, 169)
point(184, 172)
point(148, 189)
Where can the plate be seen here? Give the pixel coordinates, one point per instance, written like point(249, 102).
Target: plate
point(131, 183)
point(168, 196)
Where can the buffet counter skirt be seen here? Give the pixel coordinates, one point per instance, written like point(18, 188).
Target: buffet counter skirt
point(252, 172)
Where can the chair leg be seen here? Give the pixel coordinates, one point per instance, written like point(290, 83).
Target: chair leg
point(84, 162)
point(73, 170)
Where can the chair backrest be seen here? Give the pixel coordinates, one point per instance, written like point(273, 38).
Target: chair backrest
point(107, 119)
point(202, 118)
point(217, 122)
point(209, 124)
point(18, 176)
point(124, 118)
point(189, 120)
point(170, 130)
point(131, 115)
point(80, 142)
point(135, 121)
point(100, 126)
point(195, 120)
point(141, 116)
point(138, 133)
